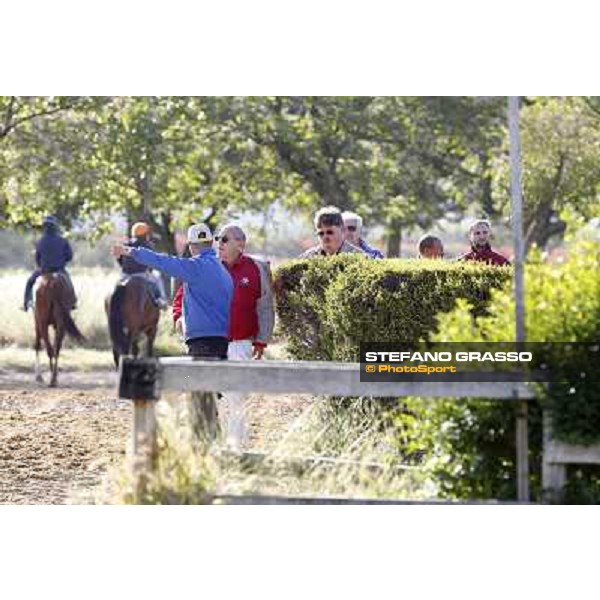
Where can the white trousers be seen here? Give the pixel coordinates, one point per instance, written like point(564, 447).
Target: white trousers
point(237, 429)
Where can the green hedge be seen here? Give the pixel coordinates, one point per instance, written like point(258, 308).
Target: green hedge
point(326, 307)
point(470, 445)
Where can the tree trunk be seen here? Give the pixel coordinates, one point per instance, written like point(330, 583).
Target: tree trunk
point(542, 225)
point(394, 239)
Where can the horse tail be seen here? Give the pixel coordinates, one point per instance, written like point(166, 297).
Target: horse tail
point(116, 325)
point(64, 319)
point(70, 326)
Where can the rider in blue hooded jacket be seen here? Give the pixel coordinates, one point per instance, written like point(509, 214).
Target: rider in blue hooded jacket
point(52, 253)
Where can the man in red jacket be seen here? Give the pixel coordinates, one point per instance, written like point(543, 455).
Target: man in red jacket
point(481, 250)
point(252, 315)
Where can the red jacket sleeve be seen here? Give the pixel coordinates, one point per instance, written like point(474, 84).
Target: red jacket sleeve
point(178, 304)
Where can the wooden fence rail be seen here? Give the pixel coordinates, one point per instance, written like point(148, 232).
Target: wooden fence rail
point(143, 380)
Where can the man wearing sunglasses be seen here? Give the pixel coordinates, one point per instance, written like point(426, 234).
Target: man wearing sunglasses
point(353, 224)
point(330, 230)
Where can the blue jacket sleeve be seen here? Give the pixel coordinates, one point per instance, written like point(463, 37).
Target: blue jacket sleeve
point(181, 268)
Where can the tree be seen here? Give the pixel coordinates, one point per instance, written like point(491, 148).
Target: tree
point(16, 111)
point(399, 161)
point(561, 160)
point(152, 158)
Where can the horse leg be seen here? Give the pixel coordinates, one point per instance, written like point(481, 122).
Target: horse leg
point(38, 347)
point(49, 349)
point(58, 340)
point(151, 335)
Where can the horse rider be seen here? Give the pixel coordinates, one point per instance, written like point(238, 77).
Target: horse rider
point(52, 253)
point(208, 290)
point(141, 237)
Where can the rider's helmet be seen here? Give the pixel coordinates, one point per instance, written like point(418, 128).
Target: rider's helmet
point(140, 229)
point(50, 222)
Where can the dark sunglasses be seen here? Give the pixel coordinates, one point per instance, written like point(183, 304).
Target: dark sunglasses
point(351, 227)
point(322, 232)
point(222, 238)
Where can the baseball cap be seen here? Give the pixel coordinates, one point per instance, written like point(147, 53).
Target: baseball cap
point(199, 233)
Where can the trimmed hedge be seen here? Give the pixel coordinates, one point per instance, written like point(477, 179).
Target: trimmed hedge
point(326, 307)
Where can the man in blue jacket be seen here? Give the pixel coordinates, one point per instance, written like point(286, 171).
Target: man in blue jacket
point(52, 253)
point(208, 290)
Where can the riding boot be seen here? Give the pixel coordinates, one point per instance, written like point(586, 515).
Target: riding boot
point(28, 299)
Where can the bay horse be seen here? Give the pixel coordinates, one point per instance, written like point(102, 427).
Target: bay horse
point(131, 314)
point(53, 303)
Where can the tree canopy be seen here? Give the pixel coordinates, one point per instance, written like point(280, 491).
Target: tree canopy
point(398, 161)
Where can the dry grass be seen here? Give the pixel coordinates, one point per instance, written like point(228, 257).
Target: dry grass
point(359, 463)
point(16, 358)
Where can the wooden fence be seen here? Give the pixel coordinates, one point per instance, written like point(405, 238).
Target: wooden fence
point(143, 380)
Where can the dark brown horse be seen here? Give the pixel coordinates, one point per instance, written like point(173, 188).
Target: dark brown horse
point(53, 303)
point(131, 314)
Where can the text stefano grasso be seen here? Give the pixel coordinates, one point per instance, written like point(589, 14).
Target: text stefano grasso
point(391, 356)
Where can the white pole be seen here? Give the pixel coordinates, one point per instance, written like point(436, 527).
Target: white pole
point(516, 187)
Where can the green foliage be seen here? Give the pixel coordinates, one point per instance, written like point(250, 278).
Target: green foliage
point(399, 161)
point(327, 307)
point(469, 445)
point(561, 170)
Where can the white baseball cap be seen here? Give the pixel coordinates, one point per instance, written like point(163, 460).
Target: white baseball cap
point(199, 233)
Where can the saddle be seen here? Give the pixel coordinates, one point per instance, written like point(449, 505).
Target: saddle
point(56, 275)
point(147, 285)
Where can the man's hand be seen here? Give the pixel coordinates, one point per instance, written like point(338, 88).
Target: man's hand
point(179, 326)
point(119, 250)
point(257, 352)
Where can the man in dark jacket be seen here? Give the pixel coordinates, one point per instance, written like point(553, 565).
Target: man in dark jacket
point(481, 250)
point(141, 238)
point(52, 253)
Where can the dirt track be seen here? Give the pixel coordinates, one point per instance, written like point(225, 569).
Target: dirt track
point(56, 444)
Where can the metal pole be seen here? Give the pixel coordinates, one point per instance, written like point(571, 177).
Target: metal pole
point(517, 227)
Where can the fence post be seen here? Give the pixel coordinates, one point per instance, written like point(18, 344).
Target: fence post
point(554, 475)
point(138, 379)
point(145, 449)
point(516, 185)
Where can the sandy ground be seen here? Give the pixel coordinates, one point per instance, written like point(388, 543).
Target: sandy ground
point(56, 445)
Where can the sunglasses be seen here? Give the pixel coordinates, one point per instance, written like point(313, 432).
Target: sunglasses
point(222, 238)
point(322, 233)
point(351, 227)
